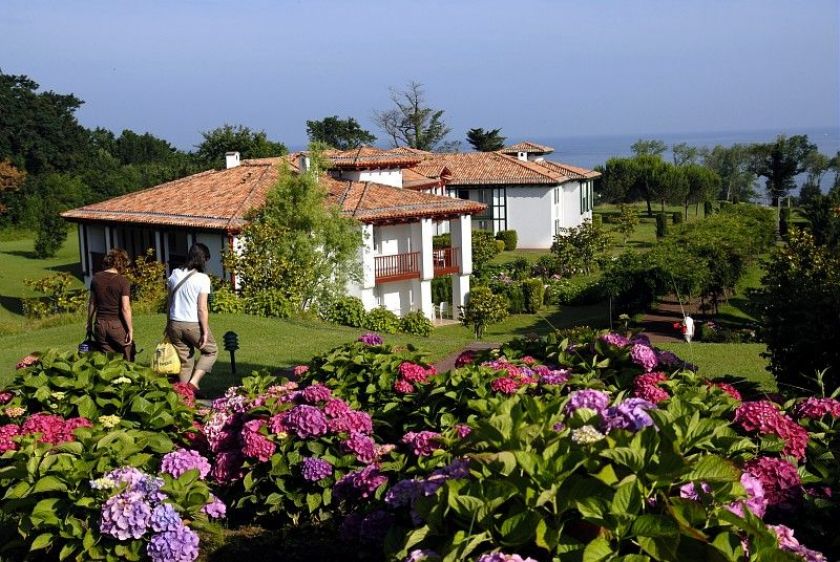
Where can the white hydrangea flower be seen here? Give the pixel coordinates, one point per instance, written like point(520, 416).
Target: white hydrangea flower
point(586, 435)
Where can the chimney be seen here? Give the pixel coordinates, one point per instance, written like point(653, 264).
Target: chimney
point(304, 163)
point(231, 160)
point(522, 156)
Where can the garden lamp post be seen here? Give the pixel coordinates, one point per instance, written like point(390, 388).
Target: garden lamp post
point(231, 340)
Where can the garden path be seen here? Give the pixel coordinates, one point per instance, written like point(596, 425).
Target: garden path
point(658, 324)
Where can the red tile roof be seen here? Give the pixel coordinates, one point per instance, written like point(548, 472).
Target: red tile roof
point(527, 146)
point(573, 172)
point(219, 200)
point(371, 157)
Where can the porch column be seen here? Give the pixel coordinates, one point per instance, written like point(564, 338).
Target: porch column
point(108, 239)
point(461, 233)
point(158, 253)
point(367, 257)
point(422, 233)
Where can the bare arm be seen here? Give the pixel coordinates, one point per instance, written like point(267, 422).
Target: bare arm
point(203, 319)
point(126, 314)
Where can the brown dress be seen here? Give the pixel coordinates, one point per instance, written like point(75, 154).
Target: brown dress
point(110, 330)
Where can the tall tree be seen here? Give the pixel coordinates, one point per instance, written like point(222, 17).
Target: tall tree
point(650, 172)
point(652, 147)
point(486, 141)
point(38, 130)
point(703, 185)
point(780, 162)
point(131, 148)
point(11, 180)
point(342, 134)
point(684, 153)
point(673, 186)
point(731, 164)
point(236, 138)
point(618, 176)
point(411, 122)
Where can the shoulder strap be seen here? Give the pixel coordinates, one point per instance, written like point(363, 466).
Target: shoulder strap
point(172, 294)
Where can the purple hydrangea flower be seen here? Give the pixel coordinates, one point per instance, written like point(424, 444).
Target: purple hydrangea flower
point(422, 443)
point(370, 339)
point(756, 502)
point(502, 557)
point(422, 555)
point(689, 491)
point(644, 356)
point(315, 394)
point(180, 461)
point(361, 483)
point(362, 446)
point(402, 493)
point(165, 518)
point(306, 421)
point(559, 376)
point(630, 414)
point(615, 339)
point(587, 398)
point(180, 545)
point(351, 420)
point(375, 526)
point(125, 516)
point(668, 359)
point(215, 508)
point(313, 469)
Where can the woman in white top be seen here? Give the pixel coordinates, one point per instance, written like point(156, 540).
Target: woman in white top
point(189, 327)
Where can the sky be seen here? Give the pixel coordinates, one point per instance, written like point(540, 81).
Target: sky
point(535, 69)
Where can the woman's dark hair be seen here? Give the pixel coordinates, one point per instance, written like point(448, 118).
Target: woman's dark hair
point(198, 255)
point(116, 258)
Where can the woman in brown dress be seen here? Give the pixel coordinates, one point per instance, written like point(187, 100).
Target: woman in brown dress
point(109, 307)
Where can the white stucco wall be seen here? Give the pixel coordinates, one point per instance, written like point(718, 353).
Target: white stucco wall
point(389, 176)
point(529, 213)
point(394, 239)
point(400, 297)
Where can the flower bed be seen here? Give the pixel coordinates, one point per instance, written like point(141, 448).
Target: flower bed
point(592, 446)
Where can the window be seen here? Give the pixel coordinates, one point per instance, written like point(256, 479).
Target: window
point(556, 227)
point(494, 217)
point(557, 195)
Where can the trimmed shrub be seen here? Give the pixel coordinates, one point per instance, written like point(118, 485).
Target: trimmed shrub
point(509, 237)
point(500, 246)
point(382, 320)
point(226, 300)
point(442, 241)
point(597, 220)
point(482, 309)
point(514, 297)
point(724, 205)
point(347, 311)
point(677, 218)
point(708, 208)
point(272, 303)
point(484, 248)
point(534, 293)
point(784, 220)
point(416, 323)
point(661, 225)
point(546, 265)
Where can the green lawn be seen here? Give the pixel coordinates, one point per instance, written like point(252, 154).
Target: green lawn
point(721, 359)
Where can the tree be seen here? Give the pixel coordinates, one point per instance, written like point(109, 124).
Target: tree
point(653, 147)
point(54, 193)
point(131, 148)
point(703, 185)
point(731, 164)
point(780, 162)
point(579, 247)
point(483, 308)
point(410, 122)
point(297, 249)
point(342, 134)
point(672, 187)
point(11, 179)
point(684, 154)
point(650, 172)
point(236, 138)
point(486, 141)
point(38, 130)
point(484, 248)
point(626, 221)
point(618, 176)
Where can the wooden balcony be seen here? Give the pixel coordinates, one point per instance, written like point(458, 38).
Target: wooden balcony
point(447, 261)
point(397, 267)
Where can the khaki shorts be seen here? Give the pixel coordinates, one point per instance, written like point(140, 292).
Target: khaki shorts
point(186, 336)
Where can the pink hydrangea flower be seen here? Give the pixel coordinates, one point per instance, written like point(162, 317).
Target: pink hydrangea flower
point(422, 443)
point(728, 389)
point(816, 408)
point(465, 358)
point(647, 386)
point(644, 356)
point(7, 433)
point(254, 444)
point(352, 420)
point(505, 385)
point(763, 416)
point(6, 397)
point(779, 479)
point(402, 386)
point(186, 391)
point(300, 370)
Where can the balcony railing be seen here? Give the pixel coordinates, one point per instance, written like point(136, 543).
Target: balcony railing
point(446, 260)
point(397, 267)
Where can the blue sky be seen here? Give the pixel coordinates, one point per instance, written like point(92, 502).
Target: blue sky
point(540, 68)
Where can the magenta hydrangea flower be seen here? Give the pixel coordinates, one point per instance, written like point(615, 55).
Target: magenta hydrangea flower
point(254, 444)
point(179, 545)
point(465, 358)
point(215, 508)
point(370, 338)
point(415, 373)
point(277, 423)
point(559, 376)
point(644, 356)
point(505, 385)
point(360, 484)
point(422, 443)
point(313, 469)
point(7, 434)
point(615, 339)
point(180, 461)
point(49, 426)
point(502, 557)
point(587, 398)
point(763, 416)
point(306, 421)
point(462, 430)
point(6, 397)
point(815, 408)
point(402, 386)
point(360, 445)
point(779, 479)
point(352, 420)
point(125, 516)
point(227, 467)
point(336, 407)
point(315, 394)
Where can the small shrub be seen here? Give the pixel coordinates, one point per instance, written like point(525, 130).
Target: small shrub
point(514, 298)
point(661, 225)
point(442, 241)
point(509, 237)
point(677, 218)
point(482, 309)
point(416, 323)
point(724, 205)
point(347, 311)
point(59, 297)
point(500, 246)
point(708, 208)
point(272, 303)
point(225, 300)
point(147, 277)
point(597, 220)
point(534, 292)
point(545, 266)
point(382, 320)
point(484, 248)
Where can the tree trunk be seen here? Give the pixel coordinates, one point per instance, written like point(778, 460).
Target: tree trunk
point(649, 210)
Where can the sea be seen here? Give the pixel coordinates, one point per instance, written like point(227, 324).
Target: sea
point(590, 151)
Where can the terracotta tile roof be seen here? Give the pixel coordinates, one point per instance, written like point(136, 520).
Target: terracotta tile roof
point(371, 157)
point(426, 175)
point(409, 150)
point(219, 200)
point(494, 168)
point(573, 172)
point(527, 146)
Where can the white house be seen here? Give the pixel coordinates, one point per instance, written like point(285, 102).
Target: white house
point(398, 260)
point(521, 189)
